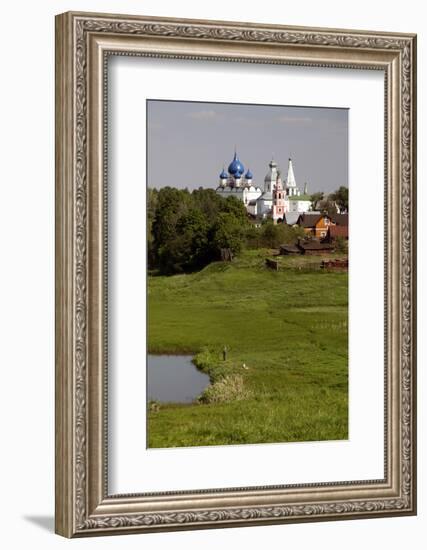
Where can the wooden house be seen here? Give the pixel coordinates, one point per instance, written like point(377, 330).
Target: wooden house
point(313, 247)
point(287, 249)
point(317, 225)
point(340, 220)
point(291, 218)
point(336, 231)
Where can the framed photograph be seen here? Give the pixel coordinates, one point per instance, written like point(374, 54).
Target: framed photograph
point(235, 274)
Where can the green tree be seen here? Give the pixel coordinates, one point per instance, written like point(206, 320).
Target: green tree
point(273, 235)
point(341, 245)
point(253, 236)
point(187, 230)
point(207, 201)
point(236, 208)
point(341, 198)
point(227, 232)
point(187, 248)
point(298, 233)
point(151, 212)
point(327, 206)
point(315, 198)
point(193, 228)
point(171, 205)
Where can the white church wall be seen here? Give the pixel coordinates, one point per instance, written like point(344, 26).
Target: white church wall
point(253, 194)
point(299, 206)
point(244, 190)
point(252, 209)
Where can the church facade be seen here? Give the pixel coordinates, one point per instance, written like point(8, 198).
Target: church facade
point(274, 199)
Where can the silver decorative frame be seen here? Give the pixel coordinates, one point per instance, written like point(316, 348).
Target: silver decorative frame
point(83, 42)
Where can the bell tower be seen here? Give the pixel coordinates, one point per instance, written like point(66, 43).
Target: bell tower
point(279, 200)
point(271, 177)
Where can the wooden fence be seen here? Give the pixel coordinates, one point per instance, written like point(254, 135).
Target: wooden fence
point(272, 264)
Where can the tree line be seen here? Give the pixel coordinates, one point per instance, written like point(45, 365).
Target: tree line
point(187, 230)
point(328, 203)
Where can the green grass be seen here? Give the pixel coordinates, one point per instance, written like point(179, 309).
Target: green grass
point(288, 327)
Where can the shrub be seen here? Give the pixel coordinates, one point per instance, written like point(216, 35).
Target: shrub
point(341, 245)
point(205, 359)
point(229, 388)
point(153, 406)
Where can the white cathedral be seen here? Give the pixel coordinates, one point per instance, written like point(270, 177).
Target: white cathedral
point(275, 199)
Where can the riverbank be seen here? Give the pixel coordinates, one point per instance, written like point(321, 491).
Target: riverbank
point(285, 377)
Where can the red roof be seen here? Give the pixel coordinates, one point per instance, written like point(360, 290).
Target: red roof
point(309, 219)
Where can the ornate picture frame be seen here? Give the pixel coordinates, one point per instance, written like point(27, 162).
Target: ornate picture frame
point(84, 506)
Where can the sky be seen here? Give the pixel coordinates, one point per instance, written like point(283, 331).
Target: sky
point(189, 143)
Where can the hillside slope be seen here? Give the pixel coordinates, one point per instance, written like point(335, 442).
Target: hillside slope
point(289, 329)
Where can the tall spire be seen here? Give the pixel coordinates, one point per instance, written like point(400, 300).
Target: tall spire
point(291, 176)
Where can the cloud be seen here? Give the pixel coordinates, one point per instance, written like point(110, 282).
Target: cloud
point(203, 115)
point(248, 121)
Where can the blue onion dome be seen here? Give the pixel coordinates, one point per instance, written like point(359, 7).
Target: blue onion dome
point(223, 175)
point(249, 175)
point(236, 168)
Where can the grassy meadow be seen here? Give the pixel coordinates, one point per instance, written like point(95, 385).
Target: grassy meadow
point(286, 374)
